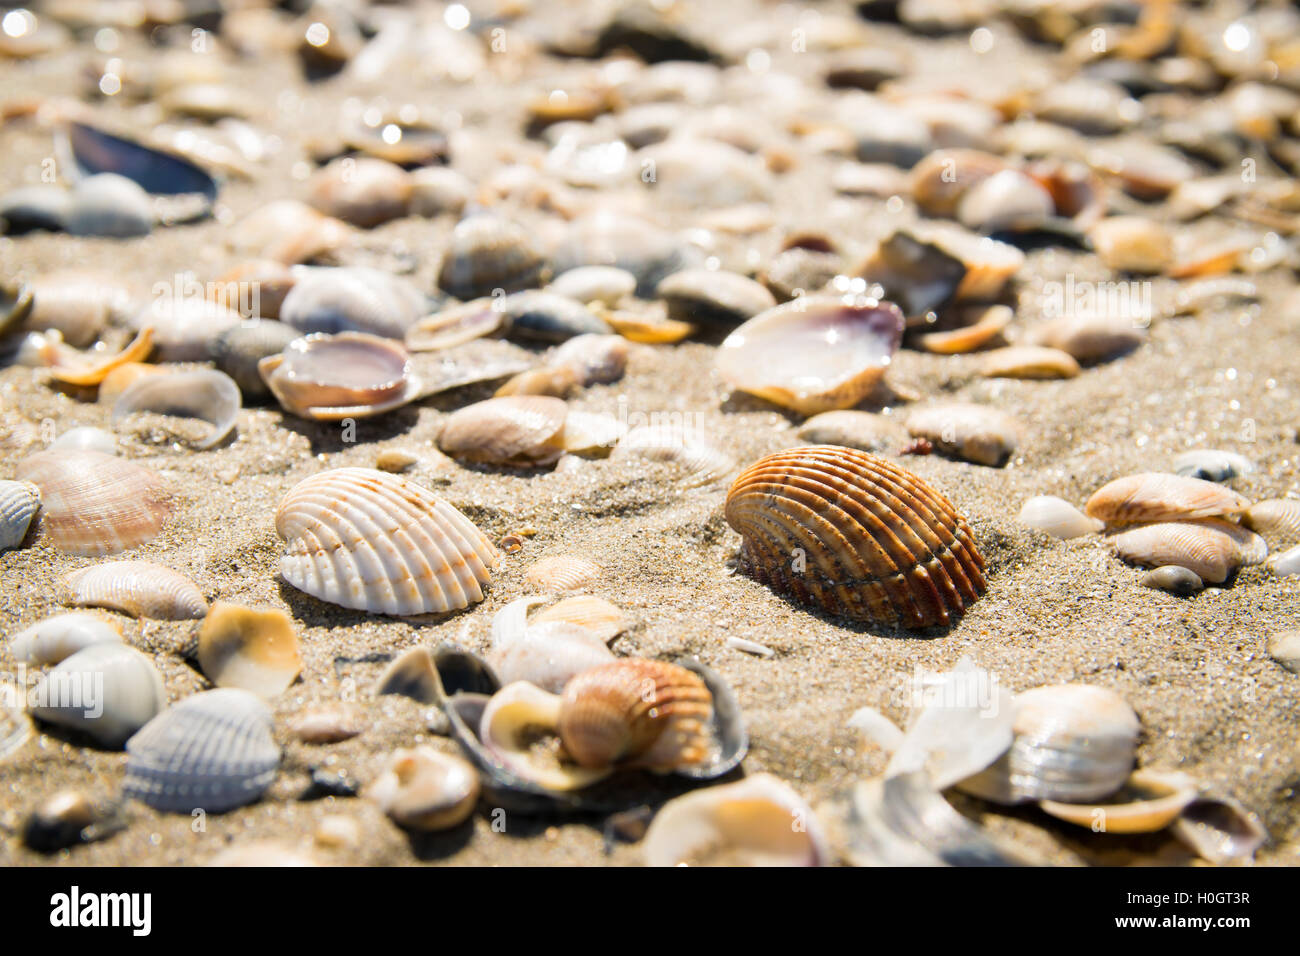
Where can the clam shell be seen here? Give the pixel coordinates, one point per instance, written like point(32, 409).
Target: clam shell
point(109, 205)
point(487, 253)
point(373, 541)
point(857, 535)
point(138, 588)
point(362, 191)
point(204, 393)
point(592, 433)
point(423, 789)
point(460, 323)
point(79, 304)
point(978, 433)
point(95, 504)
point(439, 189)
point(511, 430)
point(605, 284)
point(19, 502)
point(939, 181)
point(412, 675)
point(509, 722)
point(563, 572)
point(353, 299)
point(213, 751)
point(1212, 548)
point(1092, 338)
point(1006, 201)
point(1057, 517)
point(596, 615)
point(290, 231)
point(238, 351)
point(255, 289)
point(635, 245)
point(1221, 831)
point(814, 354)
point(109, 691)
point(94, 151)
point(348, 375)
point(595, 359)
point(59, 637)
point(1176, 580)
point(1154, 496)
point(687, 448)
point(758, 821)
point(547, 317)
point(557, 382)
point(183, 328)
point(254, 649)
point(1149, 801)
point(914, 272)
point(67, 818)
point(713, 297)
point(1029, 361)
point(861, 430)
point(1073, 743)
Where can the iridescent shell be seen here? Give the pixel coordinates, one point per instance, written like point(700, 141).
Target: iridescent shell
point(138, 588)
point(857, 535)
point(1155, 496)
point(348, 375)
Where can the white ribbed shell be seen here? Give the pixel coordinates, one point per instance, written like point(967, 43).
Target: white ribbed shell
point(19, 502)
point(138, 588)
point(368, 540)
point(213, 751)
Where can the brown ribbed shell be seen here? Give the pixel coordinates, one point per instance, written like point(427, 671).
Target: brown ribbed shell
point(876, 542)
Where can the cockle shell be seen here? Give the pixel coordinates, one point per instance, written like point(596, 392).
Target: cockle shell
point(423, 789)
point(596, 615)
point(857, 535)
point(95, 504)
point(814, 354)
point(19, 502)
point(348, 375)
point(1154, 496)
point(563, 572)
point(1149, 801)
point(1073, 743)
point(635, 712)
point(373, 541)
point(488, 253)
point(758, 821)
point(107, 690)
point(548, 654)
point(353, 299)
point(978, 433)
point(511, 430)
point(213, 751)
point(1029, 361)
point(1211, 547)
point(138, 588)
point(255, 649)
point(203, 393)
point(59, 637)
point(1057, 517)
point(686, 447)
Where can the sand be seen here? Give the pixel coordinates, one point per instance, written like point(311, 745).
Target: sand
point(1211, 701)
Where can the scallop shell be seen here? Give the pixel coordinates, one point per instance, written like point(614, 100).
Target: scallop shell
point(689, 449)
point(1214, 549)
point(511, 430)
point(813, 354)
point(857, 535)
point(373, 541)
point(713, 297)
point(1149, 801)
point(423, 789)
point(59, 637)
point(1073, 743)
point(1057, 517)
point(213, 751)
point(596, 615)
point(203, 393)
point(353, 299)
point(109, 691)
point(563, 572)
point(348, 375)
point(758, 821)
point(254, 649)
point(19, 502)
point(488, 253)
point(635, 712)
point(95, 504)
point(138, 588)
point(978, 433)
point(1154, 496)
point(1029, 361)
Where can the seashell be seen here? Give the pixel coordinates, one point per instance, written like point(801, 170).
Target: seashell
point(508, 729)
point(556, 382)
point(705, 174)
point(1132, 244)
point(940, 180)
point(372, 541)
point(1006, 201)
point(109, 691)
point(396, 460)
point(95, 504)
point(814, 354)
point(59, 637)
point(1090, 106)
point(607, 285)
point(1212, 465)
point(423, 789)
point(19, 502)
point(548, 655)
point(119, 379)
point(138, 588)
point(184, 328)
point(1029, 361)
point(16, 300)
point(1153, 496)
point(213, 751)
point(873, 542)
point(353, 299)
point(1287, 563)
point(547, 317)
point(204, 393)
point(471, 363)
point(109, 205)
point(647, 329)
point(487, 253)
point(94, 152)
point(76, 368)
point(563, 572)
point(592, 433)
point(1092, 338)
point(634, 712)
point(1221, 831)
point(87, 438)
point(798, 271)
point(363, 191)
point(978, 433)
point(15, 725)
point(1277, 519)
point(595, 359)
point(1176, 580)
point(1057, 517)
point(348, 375)
point(238, 350)
point(254, 649)
point(593, 614)
point(436, 190)
point(967, 338)
point(204, 101)
point(1078, 194)
point(29, 208)
point(989, 263)
point(1210, 547)
point(290, 231)
point(1073, 743)
point(758, 821)
point(861, 430)
point(916, 273)
point(713, 297)
point(1283, 647)
point(261, 854)
point(77, 303)
point(697, 460)
point(512, 430)
point(327, 723)
point(455, 325)
point(67, 818)
point(629, 243)
point(411, 675)
point(1150, 800)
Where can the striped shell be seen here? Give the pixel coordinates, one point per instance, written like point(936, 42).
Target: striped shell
point(636, 712)
point(1214, 549)
point(108, 691)
point(1154, 496)
point(512, 430)
point(96, 504)
point(213, 751)
point(138, 588)
point(1277, 519)
point(593, 614)
point(563, 572)
point(374, 541)
point(857, 535)
point(19, 502)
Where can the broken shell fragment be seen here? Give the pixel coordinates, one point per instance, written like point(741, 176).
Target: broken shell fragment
point(204, 394)
point(423, 789)
point(511, 430)
point(77, 368)
point(249, 648)
point(1211, 548)
point(348, 375)
point(1154, 496)
point(59, 637)
point(978, 433)
point(1057, 517)
point(138, 588)
point(19, 502)
point(120, 691)
point(967, 338)
point(1029, 361)
point(1150, 800)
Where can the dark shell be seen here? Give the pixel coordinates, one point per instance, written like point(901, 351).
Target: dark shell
point(159, 173)
point(547, 317)
point(918, 275)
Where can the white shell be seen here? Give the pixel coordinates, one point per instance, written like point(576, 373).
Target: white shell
point(586, 284)
point(548, 654)
point(87, 438)
point(19, 502)
point(59, 637)
point(424, 789)
point(213, 751)
point(138, 588)
point(758, 821)
point(372, 541)
point(1287, 563)
point(509, 726)
point(107, 690)
point(1057, 517)
point(203, 393)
